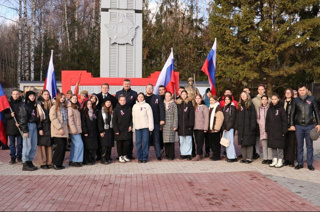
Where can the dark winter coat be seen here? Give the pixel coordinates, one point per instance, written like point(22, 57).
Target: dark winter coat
point(246, 124)
point(185, 117)
point(121, 121)
point(110, 97)
point(11, 128)
point(302, 111)
point(28, 113)
point(276, 126)
point(288, 109)
point(157, 106)
point(90, 127)
point(108, 139)
point(230, 114)
point(131, 96)
point(45, 126)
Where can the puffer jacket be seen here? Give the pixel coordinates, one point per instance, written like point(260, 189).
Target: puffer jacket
point(261, 120)
point(230, 114)
point(142, 116)
point(302, 111)
point(11, 128)
point(28, 113)
point(74, 120)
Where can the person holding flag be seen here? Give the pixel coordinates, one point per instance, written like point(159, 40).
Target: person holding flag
point(12, 127)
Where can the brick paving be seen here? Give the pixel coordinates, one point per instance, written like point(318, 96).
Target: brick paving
point(167, 186)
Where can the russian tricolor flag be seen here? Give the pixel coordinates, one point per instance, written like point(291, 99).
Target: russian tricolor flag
point(167, 76)
point(50, 83)
point(4, 104)
point(209, 67)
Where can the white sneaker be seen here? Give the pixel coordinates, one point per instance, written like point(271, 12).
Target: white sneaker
point(279, 164)
point(274, 162)
point(121, 159)
point(126, 159)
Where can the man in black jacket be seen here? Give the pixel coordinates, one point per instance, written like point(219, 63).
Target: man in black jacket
point(12, 128)
point(104, 95)
point(131, 97)
point(162, 92)
point(304, 109)
point(157, 105)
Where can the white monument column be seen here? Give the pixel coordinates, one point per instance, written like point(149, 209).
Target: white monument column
point(121, 38)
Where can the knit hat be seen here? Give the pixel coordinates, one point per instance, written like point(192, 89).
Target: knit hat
point(314, 135)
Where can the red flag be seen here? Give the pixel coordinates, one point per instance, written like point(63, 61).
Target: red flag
point(4, 104)
point(76, 89)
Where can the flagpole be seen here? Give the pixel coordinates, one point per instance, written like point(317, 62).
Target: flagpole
point(15, 120)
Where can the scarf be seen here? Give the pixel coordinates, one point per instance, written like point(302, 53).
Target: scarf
point(214, 106)
point(41, 113)
point(64, 114)
point(106, 120)
point(90, 113)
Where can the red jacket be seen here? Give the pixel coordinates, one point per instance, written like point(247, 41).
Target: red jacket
point(222, 102)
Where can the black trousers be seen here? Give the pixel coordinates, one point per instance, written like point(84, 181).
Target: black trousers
point(207, 143)
point(89, 155)
point(60, 150)
point(193, 146)
point(161, 139)
point(199, 137)
point(106, 153)
point(290, 150)
point(170, 151)
point(214, 139)
point(130, 148)
point(123, 147)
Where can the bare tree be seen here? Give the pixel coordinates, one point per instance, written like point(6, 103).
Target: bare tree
point(76, 19)
point(26, 49)
point(32, 43)
point(66, 23)
point(20, 43)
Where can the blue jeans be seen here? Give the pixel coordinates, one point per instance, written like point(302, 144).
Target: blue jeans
point(142, 144)
point(185, 145)
point(303, 132)
point(30, 143)
point(156, 140)
point(13, 151)
point(231, 151)
point(76, 150)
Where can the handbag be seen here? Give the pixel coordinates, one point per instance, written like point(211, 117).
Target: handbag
point(225, 142)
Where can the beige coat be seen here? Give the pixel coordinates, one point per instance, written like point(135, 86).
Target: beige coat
point(56, 124)
point(74, 120)
point(142, 116)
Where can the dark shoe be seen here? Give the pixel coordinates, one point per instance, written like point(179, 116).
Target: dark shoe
point(44, 167)
point(5, 147)
point(12, 161)
point(131, 157)
point(98, 159)
point(182, 157)
point(171, 158)
point(310, 167)
point(206, 155)
point(77, 164)
point(72, 163)
point(214, 159)
point(140, 161)
point(265, 162)
point(19, 160)
point(109, 161)
point(193, 155)
point(269, 162)
point(285, 163)
point(31, 165)
point(159, 158)
point(49, 166)
point(85, 163)
point(56, 167)
point(189, 157)
point(243, 161)
point(248, 161)
point(256, 156)
point(291, 165)
point(145, 161)
point(232, 160)
point(26, 167)
point(298, 167)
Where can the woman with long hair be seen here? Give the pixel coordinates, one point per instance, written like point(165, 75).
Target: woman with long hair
point(44, 105)
point(246, 124)
point(74, 122)
point(105, 128)
point(59, 130)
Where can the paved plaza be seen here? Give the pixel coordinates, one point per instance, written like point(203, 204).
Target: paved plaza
point(161, 186)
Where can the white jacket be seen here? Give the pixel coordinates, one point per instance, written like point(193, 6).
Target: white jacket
point(142, 116)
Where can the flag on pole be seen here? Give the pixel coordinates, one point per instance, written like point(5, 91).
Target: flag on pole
point(167, 76)
point(4, 104)
point(209, 67)
point(76, 89)
point(50, 82)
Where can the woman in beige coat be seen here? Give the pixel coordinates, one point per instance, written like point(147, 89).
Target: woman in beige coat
point(74, 122)
point(59, 130)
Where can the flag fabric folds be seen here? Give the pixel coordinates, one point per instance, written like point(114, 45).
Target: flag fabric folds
point(76, 89)
point(209, 67)
point(167, 76)
point(4, 104)
point(50, 83)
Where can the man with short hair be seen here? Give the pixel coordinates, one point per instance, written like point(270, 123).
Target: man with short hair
point(227, 92)
point(158, 111)
point(131, 97)
point(181, 88)
point(162, 91)
point(304, 109)
point(104, 95)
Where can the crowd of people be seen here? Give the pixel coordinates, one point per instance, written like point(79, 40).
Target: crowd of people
point(272, 127)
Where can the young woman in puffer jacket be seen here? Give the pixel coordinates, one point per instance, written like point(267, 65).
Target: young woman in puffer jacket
point(75, 130)
point(142, 120)
point(261, 120)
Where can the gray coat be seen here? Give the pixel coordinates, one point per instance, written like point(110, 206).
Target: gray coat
point(171, 122)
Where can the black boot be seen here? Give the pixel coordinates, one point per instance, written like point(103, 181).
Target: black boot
point(30, 164)
point(104, 155)
point(12, 161)
point(19, 160)
point(26, 167)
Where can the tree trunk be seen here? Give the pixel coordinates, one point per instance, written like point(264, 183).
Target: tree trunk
point(20, 44)
point(26, 49)
point(66, 23)
point(76, 20)
point(32, 43)
point(42, 44)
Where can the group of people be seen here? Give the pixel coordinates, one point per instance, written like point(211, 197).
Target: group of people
point(96, 122)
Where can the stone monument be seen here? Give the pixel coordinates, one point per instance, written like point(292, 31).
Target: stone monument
point(121, 38)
